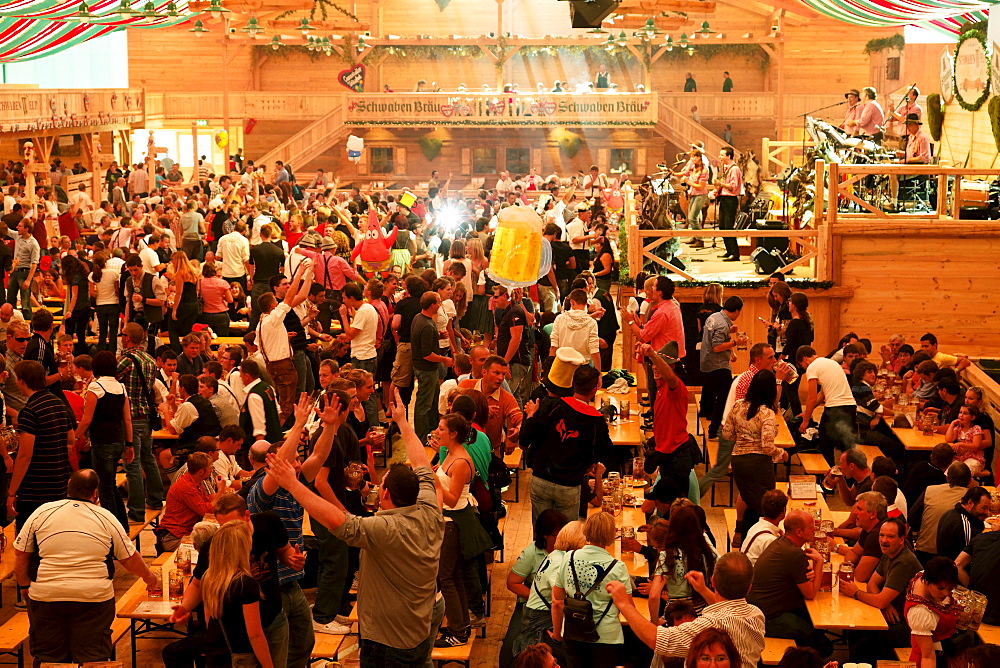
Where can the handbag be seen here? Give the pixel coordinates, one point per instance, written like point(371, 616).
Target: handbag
point(155, 421)
point(579, 624)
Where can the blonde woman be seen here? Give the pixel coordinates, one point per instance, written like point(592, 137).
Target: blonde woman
point(232, 596)
point(183, 298)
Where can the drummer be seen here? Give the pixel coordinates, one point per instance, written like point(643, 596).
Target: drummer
point(918, 152)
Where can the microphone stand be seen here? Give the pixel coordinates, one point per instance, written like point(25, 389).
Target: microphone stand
point(810, 113)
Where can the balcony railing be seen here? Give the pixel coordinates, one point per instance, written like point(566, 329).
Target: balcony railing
point(28, 109)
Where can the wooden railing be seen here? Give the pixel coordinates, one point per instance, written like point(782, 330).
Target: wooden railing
point(674, 124)
point(23, 109)
point(253, 104)
point(311, 141)
point(776, 156)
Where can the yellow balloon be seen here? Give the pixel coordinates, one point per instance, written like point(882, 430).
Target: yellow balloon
point(221, 138)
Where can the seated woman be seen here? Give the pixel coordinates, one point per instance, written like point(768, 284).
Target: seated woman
point(967, 439)
point(872, 428)
point(684, 549)
point(930, 611)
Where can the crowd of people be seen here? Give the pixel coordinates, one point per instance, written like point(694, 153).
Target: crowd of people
point(344, 358)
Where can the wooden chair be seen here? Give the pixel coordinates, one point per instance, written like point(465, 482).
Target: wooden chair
point(462, 654)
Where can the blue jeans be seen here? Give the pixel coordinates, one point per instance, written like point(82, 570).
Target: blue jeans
point(331, 582)
point(425, 409)
point(301, 637)
point(377, 655)
point(520, 381)
point(723, 454)
point(371, 407)
point(104, 458)
point(545, 494)
point(150, 491)
point(304, 369)
point(695, 206)
point(17, 277)
point(107, 326)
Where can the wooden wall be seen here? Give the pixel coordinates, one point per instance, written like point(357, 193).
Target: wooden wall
point(826, 54)
point(919, 278)
point(176, 60)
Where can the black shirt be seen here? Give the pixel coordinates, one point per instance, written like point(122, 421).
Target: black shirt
point(344, 451)
point(268, 259)
point(269, 536)
point(985, 552)
point(561, 254)
point(921, 477)
point(46, 417)
point(798, 333)
point(514, 317)
point(406, 309)
point(242, 591)
point(424, 341)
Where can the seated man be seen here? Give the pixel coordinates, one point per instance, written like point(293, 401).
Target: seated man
point(886, 591)
point(929, 344)
point(190, 420)
point(853, 478)
point(961, 524)
point(781, 584)
point(868, 514)
point(977, 565)
point(187, 503)
point(930, 507)
point(773, 505)
point(224, 406)
point(928, 473)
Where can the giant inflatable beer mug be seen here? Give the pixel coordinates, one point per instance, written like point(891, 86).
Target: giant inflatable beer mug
point(520, 255)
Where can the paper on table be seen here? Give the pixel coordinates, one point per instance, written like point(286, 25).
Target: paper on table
point(802, 487)
point(157, 607)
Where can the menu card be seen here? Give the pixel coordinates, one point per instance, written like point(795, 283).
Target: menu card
point(802, 486)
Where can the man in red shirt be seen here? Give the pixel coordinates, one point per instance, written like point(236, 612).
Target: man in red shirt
point(663, 324)
point(187, 503)
point(675, 447)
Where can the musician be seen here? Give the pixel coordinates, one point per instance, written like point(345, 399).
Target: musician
point(729, 188)
point(918, 146)
point(594, 183)
point(872, 116)
point(910, 106)
point(850, 124)
point(697, 182)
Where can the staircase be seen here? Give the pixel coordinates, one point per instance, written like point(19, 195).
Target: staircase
point(676, 126)
point(310, 142)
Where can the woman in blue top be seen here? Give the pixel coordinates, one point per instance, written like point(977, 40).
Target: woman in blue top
point(592, 564)
point(522, 575)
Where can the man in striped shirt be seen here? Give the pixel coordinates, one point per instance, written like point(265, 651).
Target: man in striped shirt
point(728, 611)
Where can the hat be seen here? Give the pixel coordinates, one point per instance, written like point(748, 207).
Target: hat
point(913, 118)
point(327, 244)
point(670, 351)
point(700, 145)
point(854, 92)
point(582, 206)
point(216, 203)
point(559, 379)
point(310, 239)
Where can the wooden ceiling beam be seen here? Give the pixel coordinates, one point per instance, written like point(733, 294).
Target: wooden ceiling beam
point(652, 7)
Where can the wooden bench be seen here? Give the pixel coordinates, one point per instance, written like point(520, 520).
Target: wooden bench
point(330, 647)
point(871, 452)
point(442, 656)
point(902, 653)
point(774, 649)
point(813, 463)
point(13, 636)
point(514, 461)
point(135, 529)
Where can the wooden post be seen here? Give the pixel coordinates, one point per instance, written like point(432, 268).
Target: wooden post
point(824, 243)
point(779, 98)
point(942, 185)
point(194, 150)
point(765, 158)
point(225, 102)
point(820, 184)
point(956, 203)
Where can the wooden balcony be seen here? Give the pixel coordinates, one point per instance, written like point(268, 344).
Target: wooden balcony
point(29, 111)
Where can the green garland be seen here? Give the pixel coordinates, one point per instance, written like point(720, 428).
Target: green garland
point(978, 102)
point(877, 44)
point(758, 283)
point(450, 123)
point(623, 275)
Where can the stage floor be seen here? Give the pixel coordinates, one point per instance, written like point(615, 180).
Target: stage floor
point(704, 264)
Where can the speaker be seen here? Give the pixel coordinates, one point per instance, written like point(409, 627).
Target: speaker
point(772, 243)
point(767, 261)
point(590, 13)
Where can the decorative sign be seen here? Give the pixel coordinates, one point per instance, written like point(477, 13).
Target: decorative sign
point(489, 109)
point(971, 77)
point(945, 76)
point(353, 79)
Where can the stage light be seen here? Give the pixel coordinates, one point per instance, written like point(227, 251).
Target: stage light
point(448, 218)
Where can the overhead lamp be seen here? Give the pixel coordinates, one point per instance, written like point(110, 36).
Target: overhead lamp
point(362, 45)
point(669, 43)
point(149, 11)
point(311, 44)
point(611, 40)
point(82, 14)
point(276, 43)
point(651, 28)
point(597, 31)
point(125, 9)
point(706, 30)
point(216, 7)
point(305, 26)
point(198, 29)
point(622, 39)
point(172, 11)
point(684, 40)
point(327, 46)
point(690, 50)
point(252, 27)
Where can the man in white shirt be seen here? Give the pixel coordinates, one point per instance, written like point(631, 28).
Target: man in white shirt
point(773, 505)
point(8, 314)
point(72, 596)
point(150, 260)
point(230, 441)
point(9, 200)
point(576, 232)
point(837, 426)
point(138, 182)
point(504, 184)
point(594, 183)
point(259, 221)
point(81, 200)
point(234, 252)
point(272, 337)
point(362, 334)
point(576, 329)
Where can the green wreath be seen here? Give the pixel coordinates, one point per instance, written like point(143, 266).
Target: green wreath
point(978, 102)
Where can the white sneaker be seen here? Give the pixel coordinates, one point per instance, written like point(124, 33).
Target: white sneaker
point(343, 619)
point(333, 628)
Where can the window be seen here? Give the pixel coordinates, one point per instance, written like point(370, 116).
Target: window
point(518, 161)
point(484, 161)
point(381, 160)
point(892, 68)
point(623, 159)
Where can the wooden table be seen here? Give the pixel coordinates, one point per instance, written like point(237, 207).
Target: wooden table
point(7, 558)
point(626, 431)
point(800, 504)
point(164, 435)
point(833, 612)
point(150, 615)
point(989, 634)
point(914, 439)
point(784, 437)
point(633, 517)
